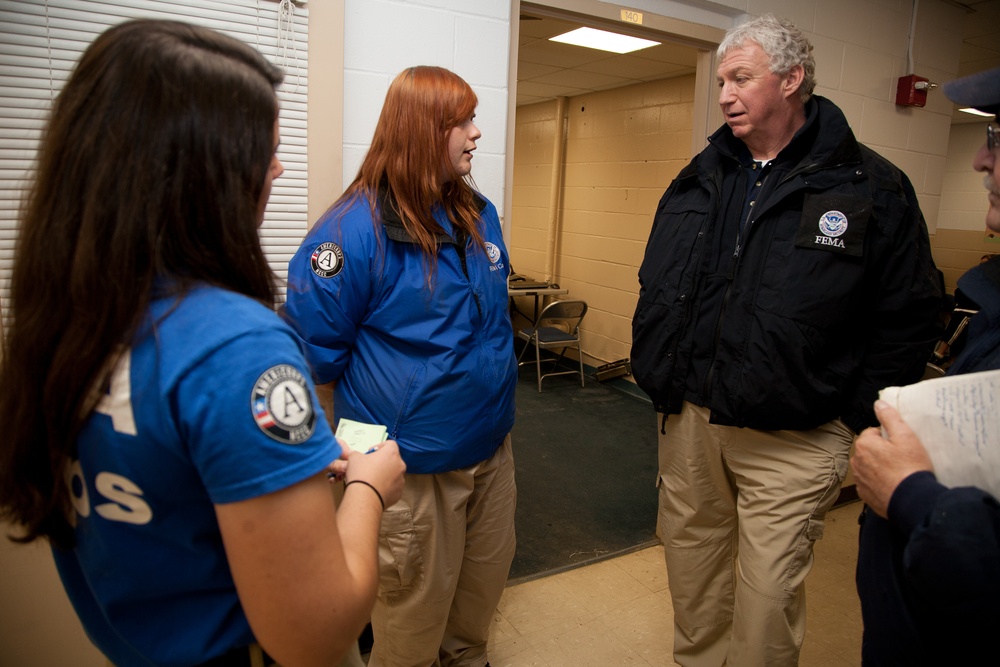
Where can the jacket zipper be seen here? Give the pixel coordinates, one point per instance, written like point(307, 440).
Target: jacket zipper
point(741, 238)
point(460, 247)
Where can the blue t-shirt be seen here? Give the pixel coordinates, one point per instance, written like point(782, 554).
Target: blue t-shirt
point(213, 405)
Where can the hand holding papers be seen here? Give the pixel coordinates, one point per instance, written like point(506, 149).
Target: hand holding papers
point(958, 421)
point(359, 436)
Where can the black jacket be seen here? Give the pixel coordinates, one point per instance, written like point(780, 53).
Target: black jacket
point(830, 295)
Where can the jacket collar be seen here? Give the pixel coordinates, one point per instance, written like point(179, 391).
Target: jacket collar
point(825, 140)
point(982, 284)
point(393, 224)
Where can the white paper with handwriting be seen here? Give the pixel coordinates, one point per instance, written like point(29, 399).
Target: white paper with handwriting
point(957, 418)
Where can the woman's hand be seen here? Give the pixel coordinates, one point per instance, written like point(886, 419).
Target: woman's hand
point(383, 468)
point(338, 469)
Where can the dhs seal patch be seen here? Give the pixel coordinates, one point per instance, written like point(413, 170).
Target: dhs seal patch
point(327, 260)
point(495, 256)
point(282, 406)
point(493, 252)
point(833, 223)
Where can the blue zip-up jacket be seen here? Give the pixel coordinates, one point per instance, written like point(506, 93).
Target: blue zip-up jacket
point(828, 294)
point(434, 363)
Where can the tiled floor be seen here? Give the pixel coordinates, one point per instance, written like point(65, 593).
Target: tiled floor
point(618, 612)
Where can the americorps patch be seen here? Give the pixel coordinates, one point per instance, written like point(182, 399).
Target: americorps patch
point(282, 405)
point(327, 260)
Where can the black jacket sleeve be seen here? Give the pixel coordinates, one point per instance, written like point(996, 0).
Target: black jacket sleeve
point(903, 324)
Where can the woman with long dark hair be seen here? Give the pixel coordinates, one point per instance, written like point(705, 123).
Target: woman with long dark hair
point(162, 434)
point(400, 294)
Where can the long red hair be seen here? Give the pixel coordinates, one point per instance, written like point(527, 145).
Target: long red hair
point(409, 154)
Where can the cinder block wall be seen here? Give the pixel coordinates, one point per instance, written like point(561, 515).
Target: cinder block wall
point(622, 149)
point(961, 238)
point(381, 38)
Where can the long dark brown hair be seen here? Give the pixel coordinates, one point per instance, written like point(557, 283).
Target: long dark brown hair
point(409, 155)
point(149, 176)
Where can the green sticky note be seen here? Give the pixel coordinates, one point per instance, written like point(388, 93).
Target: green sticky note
point(359, 436)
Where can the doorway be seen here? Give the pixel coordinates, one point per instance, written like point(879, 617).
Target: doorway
point(597, 137)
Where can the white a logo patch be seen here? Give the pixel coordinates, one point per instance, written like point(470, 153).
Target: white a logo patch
point(327, 260)
point(282, 406)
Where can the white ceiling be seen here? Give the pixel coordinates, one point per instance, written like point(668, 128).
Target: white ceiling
point(981, 38)
point(547, 70)
point(980, 44)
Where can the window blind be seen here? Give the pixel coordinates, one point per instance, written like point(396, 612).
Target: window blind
point(40, 43)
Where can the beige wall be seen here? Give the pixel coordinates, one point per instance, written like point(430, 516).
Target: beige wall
point(622, 148)
point(961, 238)
point(325, 112)
point(37, 623)
point(958, 250)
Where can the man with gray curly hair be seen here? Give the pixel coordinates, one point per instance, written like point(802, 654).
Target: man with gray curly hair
point(787, 279)
point(784, 45)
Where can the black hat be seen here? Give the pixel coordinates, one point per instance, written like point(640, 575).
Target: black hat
point(980, 91)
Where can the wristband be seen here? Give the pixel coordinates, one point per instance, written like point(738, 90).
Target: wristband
point(361, 481)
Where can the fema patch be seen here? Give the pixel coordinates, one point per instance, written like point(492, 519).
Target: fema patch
point(493, 252)
point(327, 260)
point(282, 406)
point(834, 223)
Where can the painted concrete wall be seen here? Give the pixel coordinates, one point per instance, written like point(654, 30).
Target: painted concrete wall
point(961, 238)
point(37, 623)
point(469, 37)
point(622, 147)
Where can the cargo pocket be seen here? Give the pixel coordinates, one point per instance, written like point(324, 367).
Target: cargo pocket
point(816, 522)
point(401, 562)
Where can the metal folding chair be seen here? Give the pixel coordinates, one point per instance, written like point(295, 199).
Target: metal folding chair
point(558, 327)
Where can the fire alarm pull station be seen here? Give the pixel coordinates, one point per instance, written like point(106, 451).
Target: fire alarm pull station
point(911, 91)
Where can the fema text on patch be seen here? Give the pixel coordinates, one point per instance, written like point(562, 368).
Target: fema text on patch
point(826, 240)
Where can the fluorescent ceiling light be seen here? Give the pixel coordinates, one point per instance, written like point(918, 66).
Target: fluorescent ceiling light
point(603, 40)
point(976, 112)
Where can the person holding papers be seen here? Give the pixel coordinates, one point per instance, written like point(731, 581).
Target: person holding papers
point(928, 571)
point(160, 428)
point(400, 295)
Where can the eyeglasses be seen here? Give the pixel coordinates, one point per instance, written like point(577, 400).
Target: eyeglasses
point(992, 137)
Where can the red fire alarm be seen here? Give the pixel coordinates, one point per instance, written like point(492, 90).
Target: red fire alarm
point(911, 91)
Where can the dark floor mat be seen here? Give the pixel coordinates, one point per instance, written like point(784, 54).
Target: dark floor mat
point(586, 470)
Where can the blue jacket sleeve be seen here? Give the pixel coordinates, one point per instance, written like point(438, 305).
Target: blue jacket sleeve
point(951, 558)
point(327, 302)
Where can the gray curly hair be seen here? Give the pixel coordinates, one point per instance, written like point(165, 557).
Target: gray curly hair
point(783, 43)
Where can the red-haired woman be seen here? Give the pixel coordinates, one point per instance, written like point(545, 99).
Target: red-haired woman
point(400, 295)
